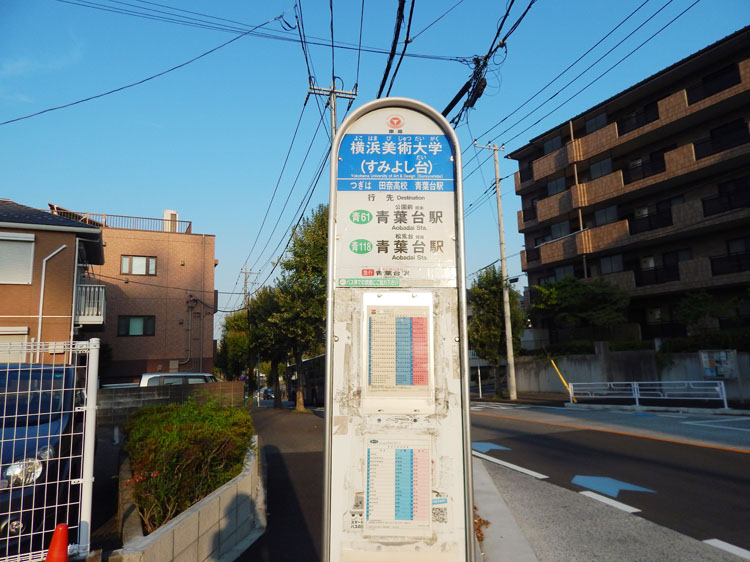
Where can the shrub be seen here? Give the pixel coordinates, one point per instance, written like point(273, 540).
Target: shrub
point(181, 452)
point(631, 345)
point(572, 347)
point(735, 339)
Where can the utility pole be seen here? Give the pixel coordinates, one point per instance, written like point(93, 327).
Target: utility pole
point(332, 93)
point(504, 275)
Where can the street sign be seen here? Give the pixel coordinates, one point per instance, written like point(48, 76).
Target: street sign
point(398, 457)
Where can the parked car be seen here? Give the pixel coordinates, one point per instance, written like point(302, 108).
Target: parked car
point(41, 453)
point(161, 379)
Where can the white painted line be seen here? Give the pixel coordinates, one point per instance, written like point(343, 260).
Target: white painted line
point(736, 550)
point(610, 501)
point(509, 465)
point(717, 424)
point(671, 416)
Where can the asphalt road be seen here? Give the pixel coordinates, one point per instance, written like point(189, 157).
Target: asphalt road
point(681, 478)
point(689, 473)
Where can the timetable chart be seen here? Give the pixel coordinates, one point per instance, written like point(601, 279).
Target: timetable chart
point(398, 484)
point(398, 347)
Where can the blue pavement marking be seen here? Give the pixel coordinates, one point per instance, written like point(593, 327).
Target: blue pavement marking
point(486, 447)
point(607, 486)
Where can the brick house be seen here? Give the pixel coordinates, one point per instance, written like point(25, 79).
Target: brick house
point(159, 280)
point(45, 291)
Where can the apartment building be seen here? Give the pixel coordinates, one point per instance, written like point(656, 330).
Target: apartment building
point(159, 281)
point(649, 189)
point(44, 289)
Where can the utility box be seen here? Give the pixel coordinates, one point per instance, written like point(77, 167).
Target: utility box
point(398, 458)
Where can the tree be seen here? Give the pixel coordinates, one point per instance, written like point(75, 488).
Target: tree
point(700, 311)
point(487, 324)
point(302, 290)
point(570, 303)
point(267, 334)
point(233, 356)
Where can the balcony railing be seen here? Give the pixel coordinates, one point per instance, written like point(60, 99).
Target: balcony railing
point(725, 202)
point(648, 115)
point(656, 166)
point(657, 275)
point(650, 222)
point(733, 263)
point(719, 143)
point(91, 304)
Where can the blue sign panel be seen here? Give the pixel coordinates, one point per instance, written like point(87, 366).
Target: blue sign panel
point(395, 162)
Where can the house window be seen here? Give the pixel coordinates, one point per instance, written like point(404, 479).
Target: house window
point(647, 262)
point(17, 262)
point(560, 229)
point(605, 216)
point(655, 315)
point(610, 264)
point(553, 144)
point(138, 265)
point(714, 83)
point(596, 123)
point(136, 325)
point(556, 186)
point(601, 168)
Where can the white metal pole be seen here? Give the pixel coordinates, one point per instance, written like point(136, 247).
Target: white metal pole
point(89, 441)
point(479, 374)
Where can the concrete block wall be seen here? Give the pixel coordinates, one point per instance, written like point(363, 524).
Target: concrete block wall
point(219, 528)
point(536, 374)
point(114, 405)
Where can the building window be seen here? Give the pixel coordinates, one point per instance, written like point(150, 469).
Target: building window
point(610, 264)
point(655, 315)
point(601, 168)
point(596, 123)
point(672, 258)
point(136, 325)
point(564, 271)
point(605, 216)
point(647, 262)
point(560, 229)
point(553, 144)
point(138, 265)
point(738, 246)
point(17, 262)
point(556, 186)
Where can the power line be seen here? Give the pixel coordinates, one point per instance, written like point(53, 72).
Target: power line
point(394, 44)
point(403, 51)
point(215, 26)
point(121, 88)
point(610, 68)
point(449, 10)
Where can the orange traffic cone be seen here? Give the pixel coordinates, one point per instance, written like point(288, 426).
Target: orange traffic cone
point(58, 548)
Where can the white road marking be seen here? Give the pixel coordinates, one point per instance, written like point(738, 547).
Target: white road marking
point(610, 501)
point(716, 423)
point(671, 416)
point(509, 465)
point(736, 550)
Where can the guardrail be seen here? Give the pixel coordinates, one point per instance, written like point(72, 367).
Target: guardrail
point(637, 391)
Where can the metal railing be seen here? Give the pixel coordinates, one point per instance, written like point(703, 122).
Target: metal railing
point(49, 421)
point(91, 304)
point(637, 391)
point(128, 223)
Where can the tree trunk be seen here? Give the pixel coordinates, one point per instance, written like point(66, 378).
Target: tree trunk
point(276, 387)
point(300, 406)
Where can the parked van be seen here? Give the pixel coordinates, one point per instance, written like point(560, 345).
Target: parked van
point(161, 379)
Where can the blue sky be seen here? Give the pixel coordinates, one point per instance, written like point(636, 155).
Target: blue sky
point(210, 139)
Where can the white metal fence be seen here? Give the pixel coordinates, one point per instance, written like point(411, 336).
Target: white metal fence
point(637, 391)
point(47, 447)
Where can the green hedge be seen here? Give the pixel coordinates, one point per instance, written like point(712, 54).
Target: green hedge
point(573, 347)
point(734, 339)
point(179, 453)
